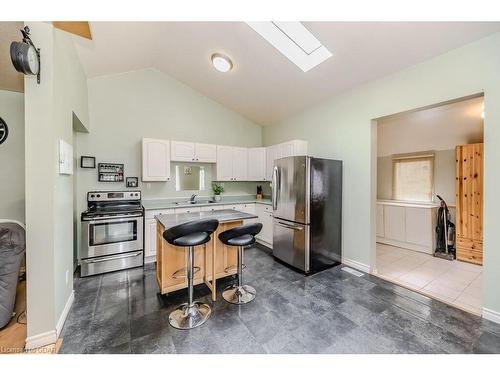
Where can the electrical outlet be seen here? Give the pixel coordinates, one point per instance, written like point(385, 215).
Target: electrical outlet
point(67, 277)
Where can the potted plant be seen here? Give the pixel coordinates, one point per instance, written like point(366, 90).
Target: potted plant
point(218, 189)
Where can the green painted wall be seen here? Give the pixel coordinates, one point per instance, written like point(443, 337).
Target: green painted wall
point(12, 157)
point(342, 127)
point(49, 108)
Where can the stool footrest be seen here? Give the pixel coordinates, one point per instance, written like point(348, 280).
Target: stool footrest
point(178, 275)
point(233, 268)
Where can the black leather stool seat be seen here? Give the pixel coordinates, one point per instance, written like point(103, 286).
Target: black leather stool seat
point(193, 233)
point(194, 239)
point(241, 236)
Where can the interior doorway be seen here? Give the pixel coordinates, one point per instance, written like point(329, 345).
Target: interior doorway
point(429, 196)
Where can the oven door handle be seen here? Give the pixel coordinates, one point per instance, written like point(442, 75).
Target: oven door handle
point(113, 218)
point(114, 257)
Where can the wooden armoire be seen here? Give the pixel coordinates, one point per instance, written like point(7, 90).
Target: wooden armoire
point(469, 202)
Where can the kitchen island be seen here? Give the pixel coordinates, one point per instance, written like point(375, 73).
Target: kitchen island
point(212, 261)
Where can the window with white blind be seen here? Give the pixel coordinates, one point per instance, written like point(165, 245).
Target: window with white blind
point(413, 178)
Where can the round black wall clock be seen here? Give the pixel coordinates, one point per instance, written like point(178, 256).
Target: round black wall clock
point(4, 131)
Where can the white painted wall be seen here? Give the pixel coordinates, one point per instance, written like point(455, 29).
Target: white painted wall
point(342, 128)
point(12, 157)
point(48, 118)
point(439, 128)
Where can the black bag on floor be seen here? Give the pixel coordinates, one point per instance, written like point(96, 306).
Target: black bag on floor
point(12, 247)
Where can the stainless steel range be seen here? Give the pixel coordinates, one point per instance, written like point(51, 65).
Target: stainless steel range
point(112, 232)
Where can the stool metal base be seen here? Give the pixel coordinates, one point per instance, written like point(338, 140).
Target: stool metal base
point(239, 295)
point(185, 317)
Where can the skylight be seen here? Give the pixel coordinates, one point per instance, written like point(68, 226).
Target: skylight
point(294, 41)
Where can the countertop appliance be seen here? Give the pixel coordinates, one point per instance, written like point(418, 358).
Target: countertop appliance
point(112, 232)
point(307, 208)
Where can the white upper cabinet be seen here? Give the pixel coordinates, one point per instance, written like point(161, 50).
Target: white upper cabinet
point(240, 164)
point(205, 153)
point(292, 148)
point(189, 152)
point(283, 150)
point(182, 151)
point(155, 159)
point(232, 163)
point(257, 164)
point(224, 163)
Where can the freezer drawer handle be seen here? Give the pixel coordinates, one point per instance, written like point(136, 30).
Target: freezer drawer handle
point(289, 226)
point(275, 185)
point(112, 258)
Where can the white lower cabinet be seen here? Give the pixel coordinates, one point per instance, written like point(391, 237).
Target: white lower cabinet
point(265, 214)
point(187, 210)
point(410, 226)
point(150, 233)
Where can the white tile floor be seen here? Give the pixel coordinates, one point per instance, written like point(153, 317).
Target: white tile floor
point(457, 283)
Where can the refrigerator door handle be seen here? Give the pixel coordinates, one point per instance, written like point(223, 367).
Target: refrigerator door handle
point(281, 224)
point(275, 188)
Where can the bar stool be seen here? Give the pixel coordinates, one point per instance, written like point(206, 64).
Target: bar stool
point(191, 314)
point(240, 236)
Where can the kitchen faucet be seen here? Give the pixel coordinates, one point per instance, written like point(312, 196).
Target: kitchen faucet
point(192, 199)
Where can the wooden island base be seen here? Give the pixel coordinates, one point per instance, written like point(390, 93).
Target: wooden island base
point(212, 261)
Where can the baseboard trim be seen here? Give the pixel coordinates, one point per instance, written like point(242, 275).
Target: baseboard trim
point(64, 314)
point(42, 339)
point(355, 264)
point(265, 243)
point(492, 315)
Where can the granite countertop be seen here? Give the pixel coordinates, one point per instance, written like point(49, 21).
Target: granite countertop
point(157, 204)
point(171, 220)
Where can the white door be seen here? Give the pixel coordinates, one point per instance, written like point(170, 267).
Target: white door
point(155, 159)
point(257, 164)
point(240, 164)
point(224, 163)
point(419, 228)
point(205, 153)
point(394, 223)
point(182, 151)
point(150, 238)
point(380, 221)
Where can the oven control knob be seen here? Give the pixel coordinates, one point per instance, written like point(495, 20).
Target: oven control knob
point(98, 195)
point(92, 195)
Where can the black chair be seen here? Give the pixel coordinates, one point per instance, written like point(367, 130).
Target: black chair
point(191, 314)
point(240, 236)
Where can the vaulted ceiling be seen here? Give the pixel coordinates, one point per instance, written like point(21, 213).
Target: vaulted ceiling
point(263, 85)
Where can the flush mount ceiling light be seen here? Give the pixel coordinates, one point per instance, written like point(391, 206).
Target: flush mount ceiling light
point(294, 41)
point(221, 62)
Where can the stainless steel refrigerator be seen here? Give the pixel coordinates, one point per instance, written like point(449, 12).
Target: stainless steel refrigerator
point(307, 208)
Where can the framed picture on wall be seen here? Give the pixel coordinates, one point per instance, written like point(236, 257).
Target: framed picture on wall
point(87, 162)
point(132, 182)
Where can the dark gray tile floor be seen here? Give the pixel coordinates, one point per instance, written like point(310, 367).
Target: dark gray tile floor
point(329, 312)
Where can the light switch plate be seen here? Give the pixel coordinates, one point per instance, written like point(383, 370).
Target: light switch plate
point(65, 158)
